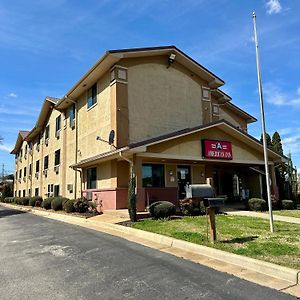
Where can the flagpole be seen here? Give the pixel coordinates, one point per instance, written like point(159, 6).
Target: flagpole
point(263, 125)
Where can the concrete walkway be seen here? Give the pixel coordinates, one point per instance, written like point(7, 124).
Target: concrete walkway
point(263, 216)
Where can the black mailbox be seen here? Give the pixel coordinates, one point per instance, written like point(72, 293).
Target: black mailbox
point(214, 202)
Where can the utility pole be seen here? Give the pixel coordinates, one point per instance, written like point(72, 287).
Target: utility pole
point(263, 125)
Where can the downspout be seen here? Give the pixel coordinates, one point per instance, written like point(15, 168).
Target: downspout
point(80, 171)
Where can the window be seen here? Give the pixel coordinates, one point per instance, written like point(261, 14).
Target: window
point(50, 190)
point(19, 193)
point(36, 192)
point(57, 158)
point(25, 169)
point(30, 169)
point(24, 193)
point(153, 175)
point(56, 190)
point(46, 162)
point(20, 174)
point(26, 149)
point(47, 131)
point(58, 123)
point(37, 166)
point(91, 178)
point(92, 96)
point(72, 114)
point(38, 140)
point(29, 192)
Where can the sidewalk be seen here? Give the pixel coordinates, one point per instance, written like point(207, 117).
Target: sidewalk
point(263, 216)
point(260, 272)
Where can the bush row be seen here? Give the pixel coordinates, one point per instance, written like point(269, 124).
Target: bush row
point(257, 204)
point(80, 205)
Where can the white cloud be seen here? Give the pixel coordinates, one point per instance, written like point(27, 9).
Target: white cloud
point(276, 96)
point(6, 148)
point(12, 95)
point(298, 90)
point(273, 7)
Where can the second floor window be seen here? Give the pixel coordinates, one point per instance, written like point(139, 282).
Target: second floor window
point(57, 158)
point(58, 123)
point(30, 169)
point(46, 162)
point(20, 174)
point(47, 130)
point(37, 166)
point(25, 171)
point(92, 96)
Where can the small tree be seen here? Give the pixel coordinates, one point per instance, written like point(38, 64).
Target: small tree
point(132, 195)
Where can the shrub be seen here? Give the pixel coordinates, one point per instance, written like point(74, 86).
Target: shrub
point(63, 201)
point(191, 207)
point(56, 203)
point(69, 206)
point(162, 209)
point(8, 200)
point(24, 201)
point(287, 204)
point(257, 204)
point(92, 207)
point(47, 203)
point(81, 205)
point(33, 200)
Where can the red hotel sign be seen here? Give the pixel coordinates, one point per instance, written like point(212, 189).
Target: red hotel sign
point(217, 149)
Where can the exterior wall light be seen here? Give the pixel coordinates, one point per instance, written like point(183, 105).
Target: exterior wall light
point(171, 59)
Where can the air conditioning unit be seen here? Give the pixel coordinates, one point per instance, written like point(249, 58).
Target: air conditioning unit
point(89, 195)
point(25, 156)
point(38, 147)
point(46, 142)
point(37, 174)
point(57, 134)
point(73, 123)
point(30, 151)
point(24, 178)
point(56, 169)
point(70, 188)
point(29, 177)
point(45, 172)
point(20, 180)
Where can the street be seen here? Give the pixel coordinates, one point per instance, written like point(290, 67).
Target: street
point(46, 259)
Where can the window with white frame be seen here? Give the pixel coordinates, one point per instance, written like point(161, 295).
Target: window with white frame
point(92, 96)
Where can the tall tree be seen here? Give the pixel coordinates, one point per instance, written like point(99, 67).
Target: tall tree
point(268, 140)
point(276, 142)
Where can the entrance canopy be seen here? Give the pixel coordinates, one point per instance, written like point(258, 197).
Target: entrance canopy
point(218, 142)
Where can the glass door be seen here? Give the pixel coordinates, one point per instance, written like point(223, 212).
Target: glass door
point(184, 178)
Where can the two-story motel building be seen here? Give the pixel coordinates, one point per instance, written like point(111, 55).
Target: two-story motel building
point(169, 118)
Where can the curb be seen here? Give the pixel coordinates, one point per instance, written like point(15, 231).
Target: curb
point(270, 269)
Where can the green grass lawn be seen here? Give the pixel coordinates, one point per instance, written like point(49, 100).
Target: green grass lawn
point(288, 213)
point(240, 235)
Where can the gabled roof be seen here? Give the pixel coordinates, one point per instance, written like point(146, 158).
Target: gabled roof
point(47, 107)
point(112, 57)
point(21, 137)
point(242, 113)
point(134, 147)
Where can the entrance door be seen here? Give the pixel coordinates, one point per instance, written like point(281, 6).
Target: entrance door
point(184, 178)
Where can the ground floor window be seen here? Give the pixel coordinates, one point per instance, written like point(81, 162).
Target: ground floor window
point(50, 190)
point(24, 193)
point(56, 190)
point(36, 191)
point(91, 178)
point(153, 175)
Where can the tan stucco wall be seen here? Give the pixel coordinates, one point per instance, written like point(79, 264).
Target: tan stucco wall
point(229, 115)
point(191, 146)
point(161, 99)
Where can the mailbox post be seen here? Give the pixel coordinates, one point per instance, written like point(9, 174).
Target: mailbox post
point(211, 204)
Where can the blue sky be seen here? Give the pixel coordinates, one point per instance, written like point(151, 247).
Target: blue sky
point(46, 46)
